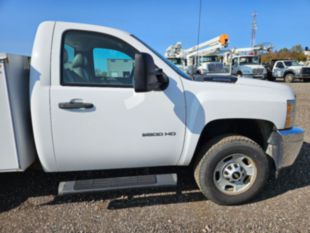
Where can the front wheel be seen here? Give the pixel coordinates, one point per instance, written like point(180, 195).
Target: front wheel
point(289, 78)
point(231, 170)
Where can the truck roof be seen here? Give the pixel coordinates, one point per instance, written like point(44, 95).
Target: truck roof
point(89, 25)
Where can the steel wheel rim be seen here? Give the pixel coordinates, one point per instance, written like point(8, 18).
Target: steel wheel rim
point(289, 78)
point(235, 174)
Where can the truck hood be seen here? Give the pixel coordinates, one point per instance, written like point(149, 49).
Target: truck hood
point(295, 67)
point(248, 85)
point(260, 83)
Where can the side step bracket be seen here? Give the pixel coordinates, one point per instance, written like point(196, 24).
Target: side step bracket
point(117, 183)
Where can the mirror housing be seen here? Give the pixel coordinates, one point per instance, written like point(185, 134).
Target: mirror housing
point(147, 77)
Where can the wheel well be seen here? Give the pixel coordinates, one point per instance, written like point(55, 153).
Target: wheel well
point(257, 130)
point(289, 72)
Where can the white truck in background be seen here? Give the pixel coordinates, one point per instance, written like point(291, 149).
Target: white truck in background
point(289, 70)
point(234, 132)
point(200, 59)
point(246, 62)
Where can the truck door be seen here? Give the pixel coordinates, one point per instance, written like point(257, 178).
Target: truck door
point(278, 70)
point(234, 65)
point(98, 121)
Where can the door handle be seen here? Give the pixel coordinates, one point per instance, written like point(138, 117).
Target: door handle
point(75, 104)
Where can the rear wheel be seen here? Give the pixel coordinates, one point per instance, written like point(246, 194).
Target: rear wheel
point(288, 78)
point(231, 170)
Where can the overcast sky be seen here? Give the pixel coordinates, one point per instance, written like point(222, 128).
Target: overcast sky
point(162, 22)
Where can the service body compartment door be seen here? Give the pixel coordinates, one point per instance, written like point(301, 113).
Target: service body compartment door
point(17, 150)
point(98, 121)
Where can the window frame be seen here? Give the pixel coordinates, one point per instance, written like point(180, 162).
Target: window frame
point(91, 62)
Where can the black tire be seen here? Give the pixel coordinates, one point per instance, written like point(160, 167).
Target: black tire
point(306, 80)
point(239, 74)
point(215, 152)
point(289, 78)
point(271, 78)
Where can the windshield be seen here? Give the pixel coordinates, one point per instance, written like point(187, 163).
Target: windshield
point(210, 59)
point(291, 63)
point(169, 63)
point(249, 60)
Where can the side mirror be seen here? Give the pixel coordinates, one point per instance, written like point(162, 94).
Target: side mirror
point(146, 76)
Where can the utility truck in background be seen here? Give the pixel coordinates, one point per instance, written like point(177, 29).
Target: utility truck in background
point(200, 59)
point(72, 110)
point(289, 70)
point(246, 62)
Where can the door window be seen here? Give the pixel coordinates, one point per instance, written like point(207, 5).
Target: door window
point(94, 59)
point(280, 65)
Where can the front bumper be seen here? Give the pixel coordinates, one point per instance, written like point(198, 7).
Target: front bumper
point(284, 146)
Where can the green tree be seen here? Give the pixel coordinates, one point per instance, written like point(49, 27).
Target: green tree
point(297, 49)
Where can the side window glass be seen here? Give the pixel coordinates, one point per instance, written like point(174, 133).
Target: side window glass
point(68, 55)
point(94, 59)
point(112, 66)
point(280, 65)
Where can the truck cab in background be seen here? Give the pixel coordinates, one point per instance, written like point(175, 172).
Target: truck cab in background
point(248, 66)
point(210, 64)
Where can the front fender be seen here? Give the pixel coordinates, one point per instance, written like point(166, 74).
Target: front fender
point(217, 101)
point(289, 72)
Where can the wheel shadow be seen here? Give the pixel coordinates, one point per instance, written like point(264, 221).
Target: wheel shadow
point(17, 188)
point(294, 177)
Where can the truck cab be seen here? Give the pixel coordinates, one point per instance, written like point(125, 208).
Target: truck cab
point(248, 66)
point(211, 64)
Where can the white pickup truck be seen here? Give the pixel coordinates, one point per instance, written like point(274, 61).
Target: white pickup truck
point(98, 98)
point(289, 70)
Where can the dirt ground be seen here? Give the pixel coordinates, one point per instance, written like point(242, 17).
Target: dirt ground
point(28, 202)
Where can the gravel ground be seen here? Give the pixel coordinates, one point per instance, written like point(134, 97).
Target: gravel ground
point(28, 202)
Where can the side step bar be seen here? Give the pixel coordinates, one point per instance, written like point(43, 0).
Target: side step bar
point(117, 183)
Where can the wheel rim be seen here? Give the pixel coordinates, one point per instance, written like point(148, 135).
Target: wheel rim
point(289, 78)
point(235, 174)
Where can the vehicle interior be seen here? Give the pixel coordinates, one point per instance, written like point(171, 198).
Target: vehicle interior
point(95, 59)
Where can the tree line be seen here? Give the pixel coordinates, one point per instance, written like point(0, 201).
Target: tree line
point(294, 53)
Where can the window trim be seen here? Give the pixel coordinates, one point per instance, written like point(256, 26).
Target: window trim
point(88, 84)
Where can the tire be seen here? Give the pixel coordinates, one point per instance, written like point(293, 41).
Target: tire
point(288, 78)
point(210, 170)
point(271, 78)
point(306, 80)
point(239, 74)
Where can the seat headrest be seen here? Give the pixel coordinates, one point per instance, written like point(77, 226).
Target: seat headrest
point(79, 61)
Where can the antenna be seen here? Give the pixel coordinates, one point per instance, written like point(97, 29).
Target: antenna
point(198, 33)
point(254, 28)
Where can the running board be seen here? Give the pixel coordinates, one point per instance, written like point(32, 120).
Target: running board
point(117, 183)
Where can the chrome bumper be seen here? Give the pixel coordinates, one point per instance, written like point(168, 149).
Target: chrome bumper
point(284, 146)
